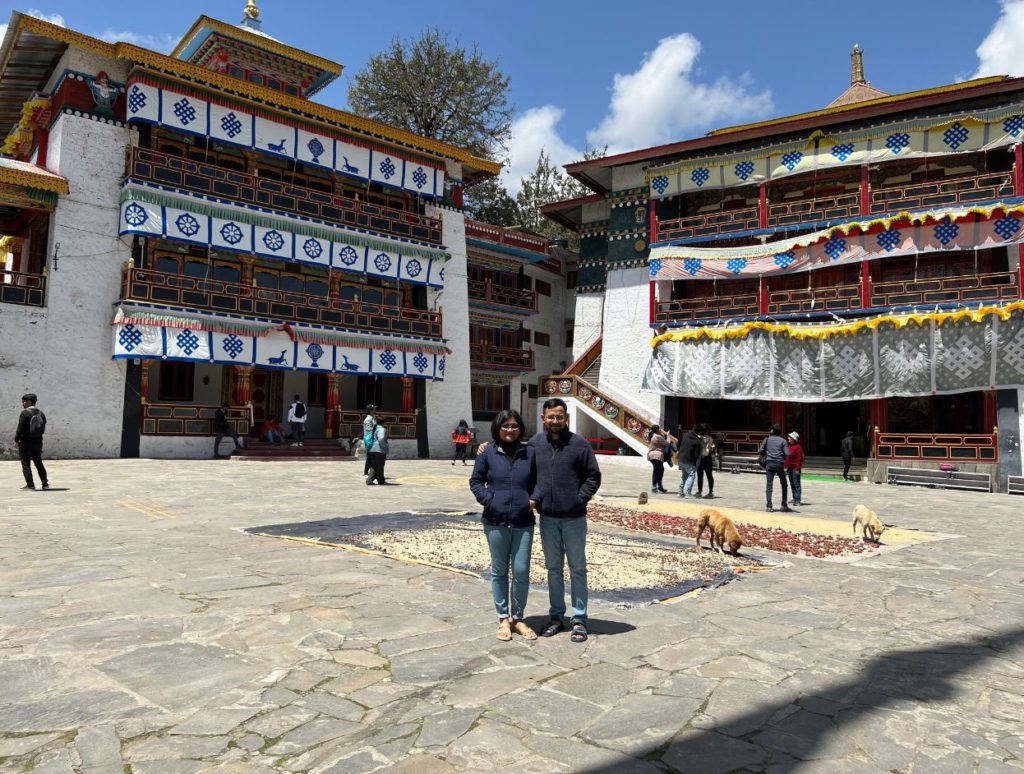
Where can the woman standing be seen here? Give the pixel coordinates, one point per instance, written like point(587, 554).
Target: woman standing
point(503, 478)
point(706, 461)
point(660, 442)
point(460, 437)
point(377, 455)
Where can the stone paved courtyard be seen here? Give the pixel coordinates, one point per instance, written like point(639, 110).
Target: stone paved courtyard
point(142, 630)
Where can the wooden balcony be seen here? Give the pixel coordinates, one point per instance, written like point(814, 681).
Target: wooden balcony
point(509, 237)
point(940, 290)
point(178, 290)
point(505, 358)
point(968, 189)
point(191, 419)
point(709, 224)
point(797, 211)
point(210, 180)
point(501, 295)
point(24, 289)
point(827, 299)
point(707, 308)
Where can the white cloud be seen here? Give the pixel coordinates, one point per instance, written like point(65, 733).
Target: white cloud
point(163, 43)
point(53, 18)
point(999, 52)
point(533, 131)
point(661, 102)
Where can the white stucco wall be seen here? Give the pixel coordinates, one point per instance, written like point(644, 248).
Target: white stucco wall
point(449, 401)
point(588, 322)
point(63, 353)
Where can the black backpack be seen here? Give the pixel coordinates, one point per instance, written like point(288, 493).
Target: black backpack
point(36, 423)
point(300, 409)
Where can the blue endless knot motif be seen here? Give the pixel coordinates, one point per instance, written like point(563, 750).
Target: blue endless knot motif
point(440, 274)
point(136, 99)
point(791, 159)
point(316, 148)
point(1013, 125)
point(888, 239)
point(187, 225)
point(897, 142)
point(700, 176)
point(946, 232)
point(232, 233)
point(273, 240)
point(744, 170)
point(956, 135)
point(184, 111)
point(655, 267)
point(1007, 226)
point(835, 246)
point(315, 352)
point(692, 265)
point(440, 366)
point(388, 359)
point(135, 215)
point(312, 248)
point(421, 362)
point(419, 177)
point(785, 260)
point(232, 345)
point(130, 337)
point(387, 168)
point(231, 125)
point(188, 341)
point(736, 265)
point(659, 184)
point(413, 268)
point(382, 262)
point(348, 255)
point(843, 151)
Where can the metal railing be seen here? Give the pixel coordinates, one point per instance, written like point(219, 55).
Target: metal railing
point(825, 299)
point(18, 287)
point(502, 295)
point(501, 357)
point(180, 290)
point(400, 426)
point(709, 307)
point(968, 287)
point(144, 164)
point(571, 386)
point(191, 419)
point(941, 447)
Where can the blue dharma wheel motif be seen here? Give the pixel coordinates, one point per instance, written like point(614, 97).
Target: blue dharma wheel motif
point(413, 268)
point(946, 232)
point(348, 255)
point(232, 345)
point(231, 125)
point(420, 362)
point(130, 337)
point(188, 341)
point(888, 239)
point(134, 215)
point(744, 170)
point(187, 225)
point(700, 176)
point(956, 135)
point(137, 99)
point(736, 265)
point(382, 262)
point(387, 168)
point(232, 233)
point(315, 352)
point(1007, 226)
point(388, 359)
point(659, 184)
point(273, 240)
point(316, 148)
point(897, 142)
point(312, 248)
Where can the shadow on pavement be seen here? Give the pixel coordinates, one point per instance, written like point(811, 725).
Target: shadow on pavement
point(921, 676)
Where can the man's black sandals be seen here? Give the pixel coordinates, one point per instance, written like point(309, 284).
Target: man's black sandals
point(554, 626)
point(579, 632)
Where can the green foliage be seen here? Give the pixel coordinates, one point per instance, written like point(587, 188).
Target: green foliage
point(490, 202)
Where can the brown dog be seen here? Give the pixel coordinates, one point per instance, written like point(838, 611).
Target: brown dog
point(721, 530)
point(868, 522)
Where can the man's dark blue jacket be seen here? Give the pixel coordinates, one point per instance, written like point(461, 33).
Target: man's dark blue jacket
point(567, 475)
point(502, 485)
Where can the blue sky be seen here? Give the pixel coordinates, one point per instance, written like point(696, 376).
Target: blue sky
point(621, 74)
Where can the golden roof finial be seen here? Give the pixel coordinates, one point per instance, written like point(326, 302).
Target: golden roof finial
point(251, 11)
point(856, 65)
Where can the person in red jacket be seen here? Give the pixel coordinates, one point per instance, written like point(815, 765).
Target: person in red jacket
point(794, 464)
point(461, 436)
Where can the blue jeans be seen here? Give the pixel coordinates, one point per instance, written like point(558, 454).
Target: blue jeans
point(274, 436)
point(509, 546)
point(794, 483)
point(564, 539)
point(770, 473)
point(689, 475)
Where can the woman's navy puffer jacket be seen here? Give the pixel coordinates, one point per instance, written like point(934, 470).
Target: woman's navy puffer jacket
point(502, 485)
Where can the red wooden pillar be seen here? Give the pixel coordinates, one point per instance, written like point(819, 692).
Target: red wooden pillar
point(865, 284)
point(778, 413)
point(408, 395)
point(652, 237)
point(653, 305)
point(762, 206)
point(988, 411)
point(332, 404)
point(762, 306)
point(243, 385)
point(689, 413)
point(1018, 169)
point(865, 190)
point(144, 387)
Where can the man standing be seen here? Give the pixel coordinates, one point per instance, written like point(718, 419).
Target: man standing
point(794, 464)
point(689, 454)
point(377, 455)
point(29, 440)
point(297, 420)
point(846, 450)
point(369, 435)
point(221, 427)
point(567, 477)
point(775, 450)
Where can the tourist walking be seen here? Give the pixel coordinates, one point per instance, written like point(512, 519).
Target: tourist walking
point(297, 420)
point(502, 481)
point(706, 461)
point(846, 451)
point(794, 464)
point(369, 426)
point(689, 454)
point(658, 450)
point(271, 431)
point(377, 455)
point(775, 450)
point(222, 427)
point(567, 477)
point(28, 437)
point(460, 437)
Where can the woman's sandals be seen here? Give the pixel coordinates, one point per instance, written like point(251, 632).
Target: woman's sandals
point(525, 631)
point(505, 628)
point(504, 632)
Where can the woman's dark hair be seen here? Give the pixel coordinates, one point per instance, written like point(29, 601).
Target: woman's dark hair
point(502, 418)
point(655, 429)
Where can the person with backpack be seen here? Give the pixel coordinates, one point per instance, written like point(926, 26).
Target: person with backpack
point(222, 427)
point(689, 454)
point(297, 420)
point(377, 455)
point(369, 427)
point(706, 461)
point(29, 440)
point(461, 437)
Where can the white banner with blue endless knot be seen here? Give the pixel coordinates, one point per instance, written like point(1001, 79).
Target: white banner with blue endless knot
point(186, 113)
point(230, 125)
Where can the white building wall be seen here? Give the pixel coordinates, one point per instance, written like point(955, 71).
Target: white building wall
point(63, 353)
point(588, 322)
point(449, 401)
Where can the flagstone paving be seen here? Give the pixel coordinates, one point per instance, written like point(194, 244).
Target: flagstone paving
point(142, 630)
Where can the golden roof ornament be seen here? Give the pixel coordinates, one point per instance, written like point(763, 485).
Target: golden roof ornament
point(251, 11)
point(856, 64)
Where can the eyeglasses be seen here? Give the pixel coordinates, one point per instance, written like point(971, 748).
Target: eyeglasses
point(510, 427)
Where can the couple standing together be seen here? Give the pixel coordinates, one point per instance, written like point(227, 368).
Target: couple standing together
point(554, 474)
